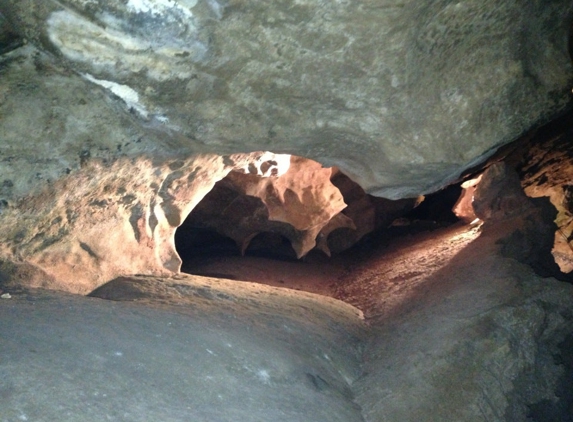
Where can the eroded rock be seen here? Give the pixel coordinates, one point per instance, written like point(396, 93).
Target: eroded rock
point(499, 195)
point(546, 168)
point(309, 205)
point(401, 98)
point(105, 220)
point(463, 208)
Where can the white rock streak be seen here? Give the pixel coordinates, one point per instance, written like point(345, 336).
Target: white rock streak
point(158, 7)
point(113, 50)
point(127, 94)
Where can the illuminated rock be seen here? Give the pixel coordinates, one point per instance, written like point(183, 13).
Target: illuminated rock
point(297, 204)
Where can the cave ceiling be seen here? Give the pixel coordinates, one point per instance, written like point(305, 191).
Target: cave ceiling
point(401, 96)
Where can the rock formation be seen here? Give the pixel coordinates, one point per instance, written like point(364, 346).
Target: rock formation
point(547, 171)
point(401, 96)
point(317, 121)
point(111, 107)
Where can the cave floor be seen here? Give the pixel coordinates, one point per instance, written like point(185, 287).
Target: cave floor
point(178, 350)
point(447, 332)
point(375, 278)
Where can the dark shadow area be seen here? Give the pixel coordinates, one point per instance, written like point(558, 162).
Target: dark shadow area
point(196, 241)
point(271, 245)
point(562, 408)
point(437, 207)
point(533, 241)
point(9, 39)
point(433, 213)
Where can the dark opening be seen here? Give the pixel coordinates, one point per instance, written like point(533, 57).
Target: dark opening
point(271, 245)
point(437, 207)
point(194, 243)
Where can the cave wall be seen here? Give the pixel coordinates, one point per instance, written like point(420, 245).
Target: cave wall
point(546, 169)
point(108, 219)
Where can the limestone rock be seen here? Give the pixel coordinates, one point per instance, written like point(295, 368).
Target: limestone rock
point(498, 198)
point(401, 96)
point(208, 350)
point(545, 165)
point(309, 205)
point(106, 219)
point(296, 204)
point(111, 109)
point(499, 195)
point(463, 208)
point(469, 334)
point(363, 215)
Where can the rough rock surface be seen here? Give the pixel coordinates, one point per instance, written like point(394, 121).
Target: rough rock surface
point(474, 337)
point(108, 219)
point(463, 208)
point(460, 325)
point(306, 204)
point(460, 332)
point(108, 109)
point(401, 96)
point(545, 164)
point(499, 195)
point(297, 204)
point(117, 117)
point(485, 351)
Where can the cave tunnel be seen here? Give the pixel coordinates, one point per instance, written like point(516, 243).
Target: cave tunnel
point(231, 234)
point(245, 232)
point(403, 242)
point(452, 306)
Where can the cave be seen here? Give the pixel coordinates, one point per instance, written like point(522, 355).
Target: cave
point(406, 240)
point(296, 211)
point(221, 238)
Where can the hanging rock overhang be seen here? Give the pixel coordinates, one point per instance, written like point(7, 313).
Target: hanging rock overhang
point(401, 98)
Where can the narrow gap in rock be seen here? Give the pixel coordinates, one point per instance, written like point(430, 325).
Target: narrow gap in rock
point(435, 211)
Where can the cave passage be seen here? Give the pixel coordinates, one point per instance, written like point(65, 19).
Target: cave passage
point(269, 258)
point(257, 229)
